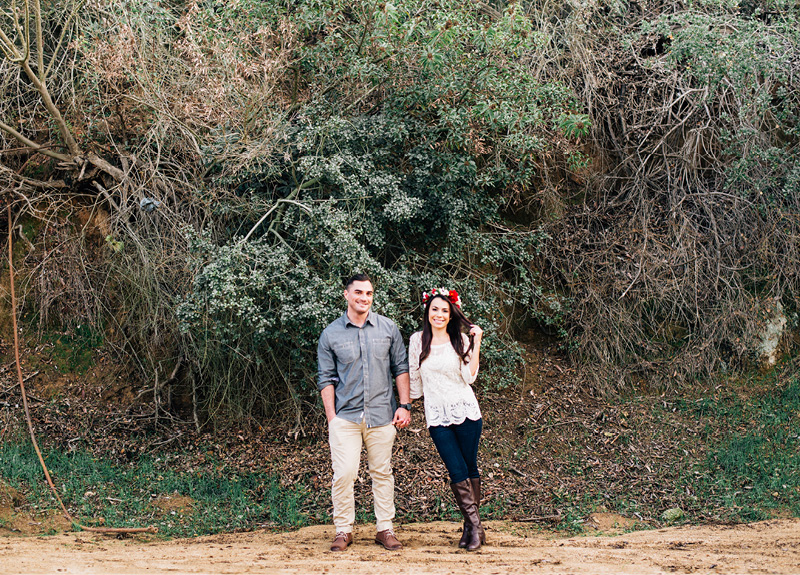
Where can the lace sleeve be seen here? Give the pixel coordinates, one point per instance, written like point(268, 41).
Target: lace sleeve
point(468, 378)
point(414, 349)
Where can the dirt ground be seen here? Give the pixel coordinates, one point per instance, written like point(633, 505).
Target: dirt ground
point(766, 547)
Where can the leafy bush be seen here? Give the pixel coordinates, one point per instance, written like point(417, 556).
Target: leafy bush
point(377, 204)
point(412, 132)
point(623, 177)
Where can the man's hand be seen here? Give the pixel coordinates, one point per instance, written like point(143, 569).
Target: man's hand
point(402, 418)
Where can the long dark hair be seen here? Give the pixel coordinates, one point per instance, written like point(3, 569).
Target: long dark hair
point(458, 321)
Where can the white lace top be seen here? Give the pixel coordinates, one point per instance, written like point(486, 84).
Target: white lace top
point(445, 381)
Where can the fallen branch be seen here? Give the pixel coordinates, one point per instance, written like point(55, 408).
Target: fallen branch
point(539, 518)
point(11, 389)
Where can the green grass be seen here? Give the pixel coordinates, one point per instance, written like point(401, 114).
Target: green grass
point(574, 509)
point(128, 495)
point(752, 470)
point(71, 349)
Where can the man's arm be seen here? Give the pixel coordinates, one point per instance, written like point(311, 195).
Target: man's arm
point(326, 376)
point(402, 416)
point(404, 387)
point(399, 368)
point(329, 401)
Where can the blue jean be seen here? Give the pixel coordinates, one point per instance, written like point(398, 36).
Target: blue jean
point(458, 447)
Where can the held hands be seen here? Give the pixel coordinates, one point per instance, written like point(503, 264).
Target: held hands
point(402, 418)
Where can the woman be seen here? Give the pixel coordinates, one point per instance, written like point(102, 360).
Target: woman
point(443, 363)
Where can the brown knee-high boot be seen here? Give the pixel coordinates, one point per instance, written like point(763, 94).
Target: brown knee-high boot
point(465, 534)
point(469, 509)
point(476, 494)
point(476, 490)
point(475, 483)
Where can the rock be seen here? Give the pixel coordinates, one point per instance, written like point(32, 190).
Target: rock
point(768, 348)
point(672, 515)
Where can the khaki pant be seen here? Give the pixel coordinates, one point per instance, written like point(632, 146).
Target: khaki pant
point(345, 439)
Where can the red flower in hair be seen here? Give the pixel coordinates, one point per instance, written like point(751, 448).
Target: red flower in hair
point(451, 295)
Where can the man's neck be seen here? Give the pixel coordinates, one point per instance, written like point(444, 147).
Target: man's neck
point(356, 319)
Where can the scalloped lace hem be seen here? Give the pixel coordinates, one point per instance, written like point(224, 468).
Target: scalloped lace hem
point(452, 414)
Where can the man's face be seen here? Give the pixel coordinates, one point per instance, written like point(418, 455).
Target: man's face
point(359, 297)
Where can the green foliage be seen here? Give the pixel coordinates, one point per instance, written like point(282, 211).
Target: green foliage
point(138, 494)
point(754, 470)
point(574, 125)
point(419, 127)
point(435, 142)
point(743, 69)
point(469, 77)
point(385, 137)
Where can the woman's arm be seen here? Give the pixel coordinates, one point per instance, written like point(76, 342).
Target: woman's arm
point(414, 349)
point(470, 371)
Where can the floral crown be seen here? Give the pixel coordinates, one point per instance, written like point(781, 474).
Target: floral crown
point(450, 295)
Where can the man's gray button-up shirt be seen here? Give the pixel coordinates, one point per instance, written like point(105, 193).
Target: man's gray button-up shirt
point(360, 362)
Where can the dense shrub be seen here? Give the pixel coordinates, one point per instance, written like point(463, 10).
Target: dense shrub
point(623, 176)
point(678, 254)
point(412, 131)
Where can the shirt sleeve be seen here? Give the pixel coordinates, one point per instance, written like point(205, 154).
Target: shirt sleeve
point(399, 358)
point(326, 364)
point(468, 378)
point(414, 349)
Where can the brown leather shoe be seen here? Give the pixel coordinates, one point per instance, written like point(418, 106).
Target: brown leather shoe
point(388, 540)
point(341, 541)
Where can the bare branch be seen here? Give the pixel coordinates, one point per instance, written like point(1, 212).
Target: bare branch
point(33, 145)
point(53, 184)
point(114, 172)
point(72, 145)
point(76, 6)
point(37, 11)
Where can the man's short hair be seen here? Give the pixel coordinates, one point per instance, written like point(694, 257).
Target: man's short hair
point(357, 278)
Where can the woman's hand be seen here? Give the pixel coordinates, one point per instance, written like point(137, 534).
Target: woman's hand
point(476, 332)
point(402, 418)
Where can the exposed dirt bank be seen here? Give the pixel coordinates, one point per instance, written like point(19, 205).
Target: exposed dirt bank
point(767, 547)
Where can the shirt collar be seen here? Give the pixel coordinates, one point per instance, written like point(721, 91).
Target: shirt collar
point(370, 319)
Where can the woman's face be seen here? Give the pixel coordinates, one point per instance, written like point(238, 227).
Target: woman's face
point(439, 313)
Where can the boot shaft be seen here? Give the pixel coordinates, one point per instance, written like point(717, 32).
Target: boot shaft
point(475, 482)
point(465, 498)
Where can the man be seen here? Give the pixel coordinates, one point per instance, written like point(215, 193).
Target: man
point(358, 355)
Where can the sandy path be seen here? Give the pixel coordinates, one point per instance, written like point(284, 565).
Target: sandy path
point(767, 547)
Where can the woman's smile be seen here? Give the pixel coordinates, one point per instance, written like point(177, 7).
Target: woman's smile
point(439, 314)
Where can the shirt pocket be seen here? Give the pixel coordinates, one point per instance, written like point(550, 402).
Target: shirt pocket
point(345, 352)
point(381, 346)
